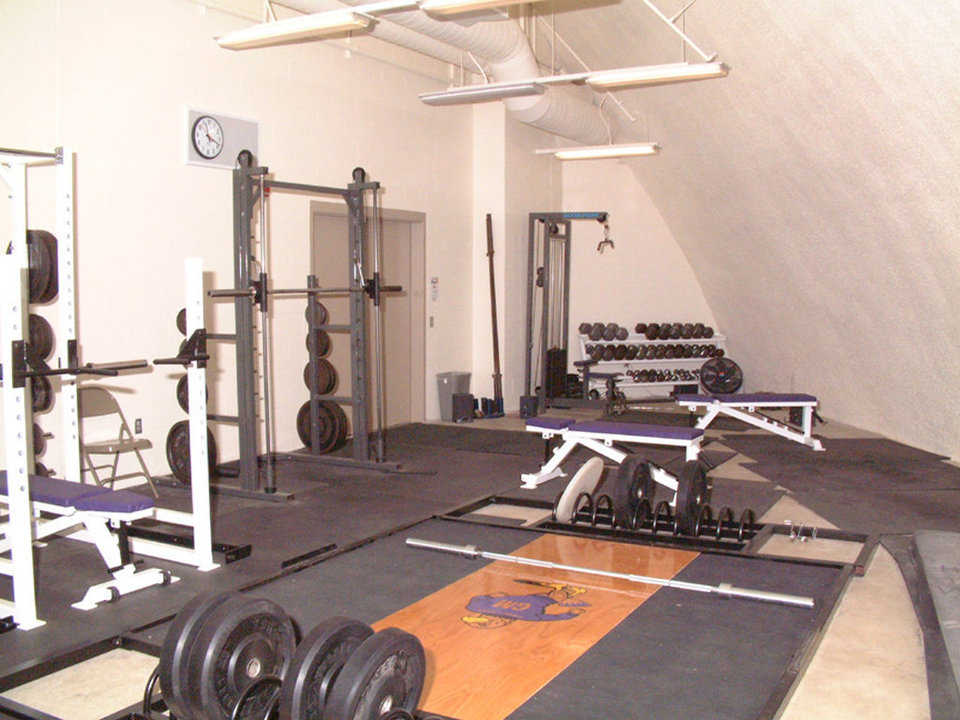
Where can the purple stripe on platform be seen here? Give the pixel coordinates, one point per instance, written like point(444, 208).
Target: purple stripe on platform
point(547, 423)
point(667, 432)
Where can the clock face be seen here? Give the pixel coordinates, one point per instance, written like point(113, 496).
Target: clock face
point(207, 137)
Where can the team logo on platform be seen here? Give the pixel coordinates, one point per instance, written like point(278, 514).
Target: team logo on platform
point(556, 602)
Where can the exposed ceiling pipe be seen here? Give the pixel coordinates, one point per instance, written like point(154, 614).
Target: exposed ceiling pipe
point(501, 44)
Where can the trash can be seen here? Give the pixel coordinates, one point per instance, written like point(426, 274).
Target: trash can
point(449, 383)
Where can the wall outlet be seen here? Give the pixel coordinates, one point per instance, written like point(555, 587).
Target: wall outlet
point(138, 425)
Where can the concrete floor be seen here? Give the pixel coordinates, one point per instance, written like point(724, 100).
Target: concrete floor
point(869, 664)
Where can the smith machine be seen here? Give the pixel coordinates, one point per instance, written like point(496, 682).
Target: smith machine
point(548, 304)
point(252, 292)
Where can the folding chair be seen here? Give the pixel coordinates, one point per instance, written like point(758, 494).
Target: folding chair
point(96, 402)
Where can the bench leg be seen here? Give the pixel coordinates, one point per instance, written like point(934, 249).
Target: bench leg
point(549, 469)
point(125, 580)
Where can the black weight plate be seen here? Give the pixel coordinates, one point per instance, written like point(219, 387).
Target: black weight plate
point(323, 342)
point(386, 672)
point(181, 637)
point(182, 321)
point(53, 285)
point(333, 425)
point(40, 469)
point(622, 333)
point(692, 492)
point(241, 641)
point(319, 658)
point(42, 266)
point(40, 335)
point(41, 394)
point(183, 393)
point(39, 440)
point(321, 312)
point(721, 375)
point(634, 482)
point(326, 377)
point(178, 451)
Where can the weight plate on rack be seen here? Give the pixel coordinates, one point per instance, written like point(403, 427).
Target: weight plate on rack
point(634, 483)
point(693, 490)
point(178, 451)
point(319, 658)
point(333, 425)
point(182, 321)
point(320, 311)
point(241, 641)
point(41, 394)
point(721, 375)
point(42, 266)
point(386, 672)
point(183, 393)
point(179, 641)
point(326, 377)
point(40, 335)
point(323, 342)
point(39, 440)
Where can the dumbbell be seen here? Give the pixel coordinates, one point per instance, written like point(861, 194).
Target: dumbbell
point(707, 331)
point(584, 328)
point(632, 351)
point(698, 331)
point(622, 333)
point(608, 352)
point(620, 352)
point(596, 331)
point(676, 330)
point(653, 331)
point(687, 331)
point(640, 329)
point(610, 332)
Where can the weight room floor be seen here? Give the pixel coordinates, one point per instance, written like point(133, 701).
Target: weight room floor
point(869, 664)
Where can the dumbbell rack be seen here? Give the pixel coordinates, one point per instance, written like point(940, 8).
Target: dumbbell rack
point(657, 363)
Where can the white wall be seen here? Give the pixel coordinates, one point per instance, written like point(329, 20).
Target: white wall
point(646, 277)
point(111, 79)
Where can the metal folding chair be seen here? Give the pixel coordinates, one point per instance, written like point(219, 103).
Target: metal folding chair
point(96, 402)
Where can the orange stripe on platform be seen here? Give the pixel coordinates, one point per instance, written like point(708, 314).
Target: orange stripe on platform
point(490, 645)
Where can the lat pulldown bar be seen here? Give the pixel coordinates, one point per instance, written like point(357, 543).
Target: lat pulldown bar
point(723, 589)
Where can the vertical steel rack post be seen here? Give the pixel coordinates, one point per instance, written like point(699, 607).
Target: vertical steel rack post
point(247, 181)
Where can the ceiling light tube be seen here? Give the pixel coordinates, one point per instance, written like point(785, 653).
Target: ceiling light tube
point(302, 27)
point(602, 151)
point(656, 75)
point(451, 7)
point(481, 93)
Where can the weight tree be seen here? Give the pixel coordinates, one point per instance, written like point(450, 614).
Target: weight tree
point(250, 186)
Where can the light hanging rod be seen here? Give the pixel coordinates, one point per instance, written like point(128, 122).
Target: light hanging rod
point(656, 75)
point(594, 152)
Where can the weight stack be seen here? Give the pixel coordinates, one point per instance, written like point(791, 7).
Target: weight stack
point(556, 372)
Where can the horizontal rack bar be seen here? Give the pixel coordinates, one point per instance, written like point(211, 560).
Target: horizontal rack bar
point(302, 187)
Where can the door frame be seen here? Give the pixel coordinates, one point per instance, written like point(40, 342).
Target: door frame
point(416, 292)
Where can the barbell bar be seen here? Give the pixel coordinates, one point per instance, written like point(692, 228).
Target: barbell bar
point(723, 589)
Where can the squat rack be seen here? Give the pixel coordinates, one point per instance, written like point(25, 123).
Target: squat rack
point(251, 185)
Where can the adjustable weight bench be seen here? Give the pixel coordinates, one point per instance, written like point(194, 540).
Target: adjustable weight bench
point(96, 508)
point(744, 407)
point(599, 436)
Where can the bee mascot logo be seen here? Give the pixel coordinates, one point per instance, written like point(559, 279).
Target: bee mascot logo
point(555, 602)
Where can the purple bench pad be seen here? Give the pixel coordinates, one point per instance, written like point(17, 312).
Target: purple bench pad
point(547, 423)
point(667, 432)
point(748, 398)
point(54, 491)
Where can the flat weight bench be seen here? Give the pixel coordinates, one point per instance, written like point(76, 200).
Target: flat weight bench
point(744, 407)
point(94, 507)
point(599, 436)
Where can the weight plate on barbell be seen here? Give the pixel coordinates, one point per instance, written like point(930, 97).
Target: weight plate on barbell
point(241, 641)
point(721, 375)
point(183, 393)
point(41, 394)
point(386, 672)
point(320, 310)
point(326, 377)
point(319, 658)
point(40, 335)
point(178, 451)
point(179, 641)
point(333, 425)
point(633, 483)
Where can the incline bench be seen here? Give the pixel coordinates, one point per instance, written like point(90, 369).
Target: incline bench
point(743, 407)
point(599, 436)
point(93, 507)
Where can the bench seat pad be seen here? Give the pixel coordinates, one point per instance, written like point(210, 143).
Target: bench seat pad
point(666, 432)
point(747, 398)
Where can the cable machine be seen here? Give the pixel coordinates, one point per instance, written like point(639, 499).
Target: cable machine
point(548, 303)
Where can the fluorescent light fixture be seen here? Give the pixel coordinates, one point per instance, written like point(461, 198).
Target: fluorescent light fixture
point(482, 93)
point(451, 7)
point(302, 27)
point(656, 74)
point(602, 151)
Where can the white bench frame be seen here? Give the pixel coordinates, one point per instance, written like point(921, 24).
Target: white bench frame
point(747, 412)
point(601, 443)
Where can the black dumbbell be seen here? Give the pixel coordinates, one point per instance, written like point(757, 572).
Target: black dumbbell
point(608, 351)
point(610, 331)
point(584, 328)
point(596, 331)
point(631, 351)
point(619, 352)
point(640, 328)
point(622, 333)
